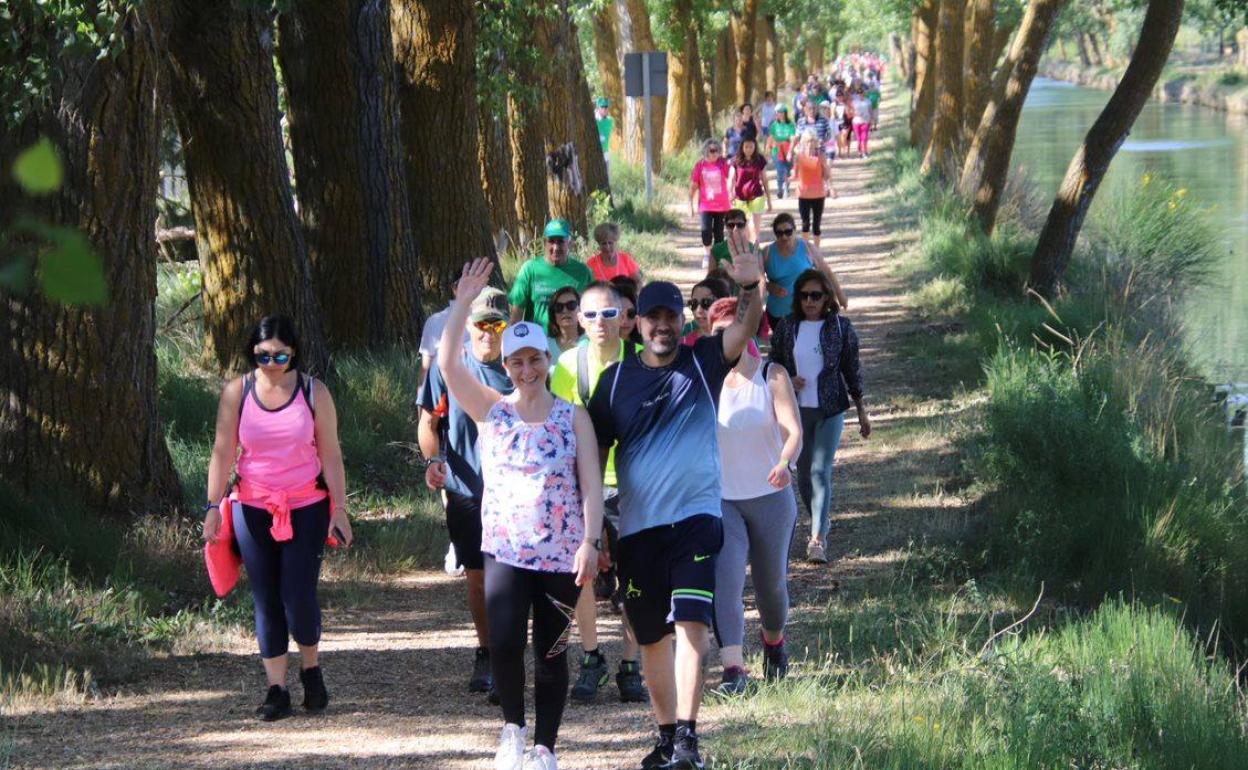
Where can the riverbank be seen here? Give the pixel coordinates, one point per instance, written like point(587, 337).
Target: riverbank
point(1175, 87)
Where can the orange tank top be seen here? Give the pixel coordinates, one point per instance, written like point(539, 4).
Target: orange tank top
point(810, 177)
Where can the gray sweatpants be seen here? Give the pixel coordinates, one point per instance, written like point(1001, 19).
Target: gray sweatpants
point(760, 530)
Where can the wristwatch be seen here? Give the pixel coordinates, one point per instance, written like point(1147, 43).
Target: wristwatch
point(208, 506)
point(596, 543)
point(435, 459)
point(750, 286)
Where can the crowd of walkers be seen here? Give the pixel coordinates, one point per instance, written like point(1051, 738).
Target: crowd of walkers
point(590, 444)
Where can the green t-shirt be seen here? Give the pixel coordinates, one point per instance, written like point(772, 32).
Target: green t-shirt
point(564, 383)
point(538, 281)
point(605, 125)
point(873, 96)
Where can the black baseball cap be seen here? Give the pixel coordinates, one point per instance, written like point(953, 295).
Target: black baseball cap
point(660, 294)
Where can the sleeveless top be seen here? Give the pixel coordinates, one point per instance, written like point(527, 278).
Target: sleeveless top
point(279, 445)
point(784, 271)
point(810, 177)
point(531, 515)
point(749, 438)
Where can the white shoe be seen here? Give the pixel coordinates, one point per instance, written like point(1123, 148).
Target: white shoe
point(540, 758)
point(510, 754)
point(706, 262)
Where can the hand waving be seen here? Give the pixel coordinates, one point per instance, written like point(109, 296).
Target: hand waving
point(747, 263)
point(476, 276)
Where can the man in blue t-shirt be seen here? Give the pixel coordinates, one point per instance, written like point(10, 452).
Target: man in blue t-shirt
point(659, 409)
point(448, 438)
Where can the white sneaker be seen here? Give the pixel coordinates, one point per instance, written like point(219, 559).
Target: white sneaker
point(706, 262)
point(510, 754)
point(540, 758)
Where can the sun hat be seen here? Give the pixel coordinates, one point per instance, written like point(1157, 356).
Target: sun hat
point(557, 228)
point(524, 335)
point(490, 305)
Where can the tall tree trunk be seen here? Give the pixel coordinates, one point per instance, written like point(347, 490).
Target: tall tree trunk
point(686, 107)
point(979, 56)
point(494, 159)
point(635, 35)
point(758, 73)
point(606, 55)
point(747, 30)
point(1084, 58)
point(338, 67)
point(582, 108)
point(528, 164)
point(942, 152)
point(565, 178)
point(923, 107)
point(775, 58)
point(794, 57)
point(815, 49)
point(898, 52)
point(1098, 57)
point(78, 412)
point(724, 89)
point(1091, 161)
point(1241, 39)
point(250, 241)
point(434, 52)
point(988, 161)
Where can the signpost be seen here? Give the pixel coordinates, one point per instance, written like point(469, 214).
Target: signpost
point(645, 76)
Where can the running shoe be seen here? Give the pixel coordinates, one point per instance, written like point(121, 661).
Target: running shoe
point(775, 661)
point(540, 758)
point(315, 696)
point(685, 754)
point(510, 754)
point(660, 758)
point(594, 674)
point(815, 553)
point(482, 679)
point(706, 262)
point(276, 705)
point(735, 681)
point(629, 681)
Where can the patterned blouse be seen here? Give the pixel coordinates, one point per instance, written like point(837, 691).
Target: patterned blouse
point(531, 513)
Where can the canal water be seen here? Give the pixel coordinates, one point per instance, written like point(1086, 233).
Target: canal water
point(1201, 149)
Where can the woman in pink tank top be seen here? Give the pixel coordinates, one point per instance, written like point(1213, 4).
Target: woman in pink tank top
point(281, 428)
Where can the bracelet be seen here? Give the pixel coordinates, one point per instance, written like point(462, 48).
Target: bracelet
point(596, 543)
point(208, 506)
point(750, 286)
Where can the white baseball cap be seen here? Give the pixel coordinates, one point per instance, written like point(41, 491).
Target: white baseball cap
point(524, 335)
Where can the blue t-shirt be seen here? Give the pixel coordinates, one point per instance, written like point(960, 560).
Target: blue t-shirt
point(784, 271)
point(662, 422)
point(458, 430)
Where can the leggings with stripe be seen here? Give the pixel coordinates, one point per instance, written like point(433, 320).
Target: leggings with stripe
point(509, 594)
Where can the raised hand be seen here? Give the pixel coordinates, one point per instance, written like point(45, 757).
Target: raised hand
point(747, 263)
point(475, 278)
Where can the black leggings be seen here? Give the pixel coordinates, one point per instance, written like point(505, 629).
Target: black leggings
point(811, 208)
point(713, 227)
point(509, 593)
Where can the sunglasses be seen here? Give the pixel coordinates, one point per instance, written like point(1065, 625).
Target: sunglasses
point(264, 359)
point(704, 303)
point(712, 151)
point(494, 327)
point(785, 233)
point(605, 314)
point(814, 296)
point(734, 225)
point(569, 306)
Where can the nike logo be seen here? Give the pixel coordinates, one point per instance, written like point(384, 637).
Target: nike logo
point(702, 557)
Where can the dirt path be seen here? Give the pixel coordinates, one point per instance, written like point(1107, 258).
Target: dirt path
point(397, 663)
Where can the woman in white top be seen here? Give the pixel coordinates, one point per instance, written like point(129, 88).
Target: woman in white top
point(862, 120)
point(760, 434)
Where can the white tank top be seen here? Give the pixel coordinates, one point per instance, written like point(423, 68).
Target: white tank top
point(749, 438)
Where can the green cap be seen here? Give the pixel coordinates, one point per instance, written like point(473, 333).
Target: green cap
point(490, 305)
point(557, 228)
point(602, 102)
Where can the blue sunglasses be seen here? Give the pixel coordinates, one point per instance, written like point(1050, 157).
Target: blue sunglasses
point(264, 359)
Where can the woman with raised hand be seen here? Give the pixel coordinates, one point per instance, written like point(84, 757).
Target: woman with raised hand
point(819, 348)
point(541, 520)
point(760, 435)
point(290, 499)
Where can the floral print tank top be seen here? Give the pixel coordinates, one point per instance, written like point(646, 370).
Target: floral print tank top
point(531, 515)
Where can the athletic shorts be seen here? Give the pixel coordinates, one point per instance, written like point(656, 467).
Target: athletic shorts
point(463, 524)
point(756, 206)
point(667, 574)
point(611, 521)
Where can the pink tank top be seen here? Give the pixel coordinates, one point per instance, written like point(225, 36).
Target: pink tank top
point(279, 445)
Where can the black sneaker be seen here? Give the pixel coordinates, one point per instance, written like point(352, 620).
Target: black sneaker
point(661, 757)
point(594, 674)
point(482, 679)
point(628, 680)
point(685, 754)
point(276, 705)
point(775, 661)
point(735, 681)
point(315, 696)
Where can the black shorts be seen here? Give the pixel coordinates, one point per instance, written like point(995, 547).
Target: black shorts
point(463, 524)
point(667, 574)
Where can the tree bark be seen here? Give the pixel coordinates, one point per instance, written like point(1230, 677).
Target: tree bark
point(250, 241)
point(898, 52)
point(635, 35)
point(758, 73)
point(434, 52)
point(338, 67)
point(1081, 44)
point(565, 177)
point(494, 160)
point(979, 56)
point(1241, 38)
point(747, 31)
point(724, 88)
point(924, 104)
point(528, 166)
point(775, 59)
point(606, 55)
point(582, 109)
point(942, 152)
point(988, 161)
point(78, 412)
point(815, 50)
point(686, 107)
point(1091, 161)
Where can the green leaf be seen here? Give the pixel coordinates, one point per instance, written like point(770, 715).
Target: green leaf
point(38, 168)
point(69, 271)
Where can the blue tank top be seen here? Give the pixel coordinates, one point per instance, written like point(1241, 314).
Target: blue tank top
point(784, 271)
